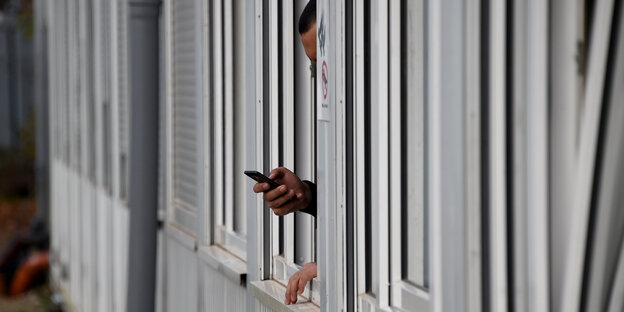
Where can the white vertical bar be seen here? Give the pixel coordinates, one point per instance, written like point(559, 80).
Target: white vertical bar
point(242, 127)
point(167, 9)
point(519, 147)
point(380, 146)
point(206, 207)
point(565, 96)
point(588, 140)
point(288, 108)
point(218, 148)
point(304, 143)
point(114, 87)
point(498, 196)
point(274, 111)
point(609, 216)
point(257, 241)
point(359, 147)
point(537, 154)
point(337, 247)
point(228, 122)
point(397, 234)
point(434, 60)
point(473, 157)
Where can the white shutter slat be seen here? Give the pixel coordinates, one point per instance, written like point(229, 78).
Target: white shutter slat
point(123, 96)
point(185, 105)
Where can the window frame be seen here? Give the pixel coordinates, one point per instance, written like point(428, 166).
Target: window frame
point(191, 227)
point(386, 135)
point(276, 93)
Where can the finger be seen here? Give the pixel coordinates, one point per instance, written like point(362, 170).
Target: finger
point(278, 202)
point(260, 187)
point(291, 282)
point(293, 289)
point(287, 296)
point(273, 194)
point(277, 173)
point(286, 208)
point(302, 285)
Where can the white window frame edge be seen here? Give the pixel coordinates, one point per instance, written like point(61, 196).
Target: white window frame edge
point(218, 174)
point(256, 214)
point(228, 110)
point(608, 209)
point(168, 111)
point(228, 250)
point(497, 151)
point(225, 236)
point(586, 153)
point(330, 156)
point(196, 227)
point(274, 121)
point(359, 143)
point(400, 291)
point(473, 157)
point(114, 104)
point(205, 213)
point(380, 162)
point(288, 118)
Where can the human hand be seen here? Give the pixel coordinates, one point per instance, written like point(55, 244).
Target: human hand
point(292, 195)
point(298, 281)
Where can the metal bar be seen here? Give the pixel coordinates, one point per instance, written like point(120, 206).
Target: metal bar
point(472, 138)
point(498, 194)
point(217, 119)
point(537, 155)
point(228, 115)
point(359, 148)
point(380, 161)
point(395, 232)
point(288, 115)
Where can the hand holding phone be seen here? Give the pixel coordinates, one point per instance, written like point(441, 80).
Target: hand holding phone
point(286, 194)
point(261, 178)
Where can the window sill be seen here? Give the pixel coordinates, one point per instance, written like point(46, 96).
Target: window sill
point(283, 272)
point(184, 238)
point(271, 294)
point(232, 242)
point(229, 265)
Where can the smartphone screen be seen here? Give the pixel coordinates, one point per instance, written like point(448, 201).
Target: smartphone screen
point(261, 178)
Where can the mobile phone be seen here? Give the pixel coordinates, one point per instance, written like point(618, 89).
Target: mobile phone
point(261, 178)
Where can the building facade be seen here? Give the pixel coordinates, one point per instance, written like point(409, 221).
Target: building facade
point(466, 154)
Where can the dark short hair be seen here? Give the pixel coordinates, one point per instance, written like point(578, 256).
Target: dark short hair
point(308, 17)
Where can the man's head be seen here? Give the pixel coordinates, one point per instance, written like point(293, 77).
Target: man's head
point(307, 30)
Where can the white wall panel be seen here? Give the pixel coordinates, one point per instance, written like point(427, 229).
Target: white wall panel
point(120, 234)
point(182, 277)
point(104, 251)
point(221, 293)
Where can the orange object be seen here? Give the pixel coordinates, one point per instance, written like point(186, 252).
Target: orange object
point(36, 263)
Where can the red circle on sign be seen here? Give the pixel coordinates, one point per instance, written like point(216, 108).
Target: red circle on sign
point(324, 79)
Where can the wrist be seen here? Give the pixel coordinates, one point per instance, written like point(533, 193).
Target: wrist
point(307, 193)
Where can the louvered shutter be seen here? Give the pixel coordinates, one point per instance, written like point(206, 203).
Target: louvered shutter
point(91, 91)
point(75, 86)
point(123, 102)
point(106, 95)
point(185, 110)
